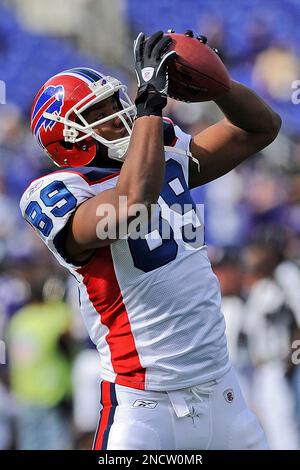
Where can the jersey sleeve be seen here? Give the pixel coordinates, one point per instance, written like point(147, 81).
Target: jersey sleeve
point(48, 204)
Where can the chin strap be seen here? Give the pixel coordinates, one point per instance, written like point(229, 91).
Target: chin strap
point(117, 152)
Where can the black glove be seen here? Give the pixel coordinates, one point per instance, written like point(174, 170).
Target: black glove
point(152, 73)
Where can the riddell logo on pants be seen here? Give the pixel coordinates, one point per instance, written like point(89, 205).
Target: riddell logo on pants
point(144, 404)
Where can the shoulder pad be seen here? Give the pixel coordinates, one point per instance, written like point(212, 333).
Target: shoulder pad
point(92, 175)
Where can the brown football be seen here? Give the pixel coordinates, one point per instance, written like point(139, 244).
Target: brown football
point(197, 74)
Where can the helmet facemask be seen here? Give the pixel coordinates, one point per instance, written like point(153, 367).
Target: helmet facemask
point(77, 129)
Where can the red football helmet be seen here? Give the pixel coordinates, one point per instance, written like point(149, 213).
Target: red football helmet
point(59, 126)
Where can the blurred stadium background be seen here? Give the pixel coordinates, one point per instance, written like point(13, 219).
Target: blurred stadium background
point(49, 384)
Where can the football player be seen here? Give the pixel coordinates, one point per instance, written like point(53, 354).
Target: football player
point(150, 301)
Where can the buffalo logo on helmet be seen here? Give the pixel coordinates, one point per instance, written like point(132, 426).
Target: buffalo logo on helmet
point(50, 101)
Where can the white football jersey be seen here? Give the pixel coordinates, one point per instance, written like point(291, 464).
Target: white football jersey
point(151, 305)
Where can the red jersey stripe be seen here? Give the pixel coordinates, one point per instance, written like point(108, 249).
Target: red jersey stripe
point(106, 401)
point(104, 292)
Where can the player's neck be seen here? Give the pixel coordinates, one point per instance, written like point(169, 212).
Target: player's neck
point(102, 160)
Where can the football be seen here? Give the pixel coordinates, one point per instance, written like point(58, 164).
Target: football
point(197, 74)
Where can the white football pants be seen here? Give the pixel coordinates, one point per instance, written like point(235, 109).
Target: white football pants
point(213, 415)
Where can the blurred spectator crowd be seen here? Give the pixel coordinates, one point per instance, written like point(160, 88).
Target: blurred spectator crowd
point(49, 384)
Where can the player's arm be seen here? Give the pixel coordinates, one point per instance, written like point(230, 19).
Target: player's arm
point(142, 173)
point(249, 125)
point(140, 182)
